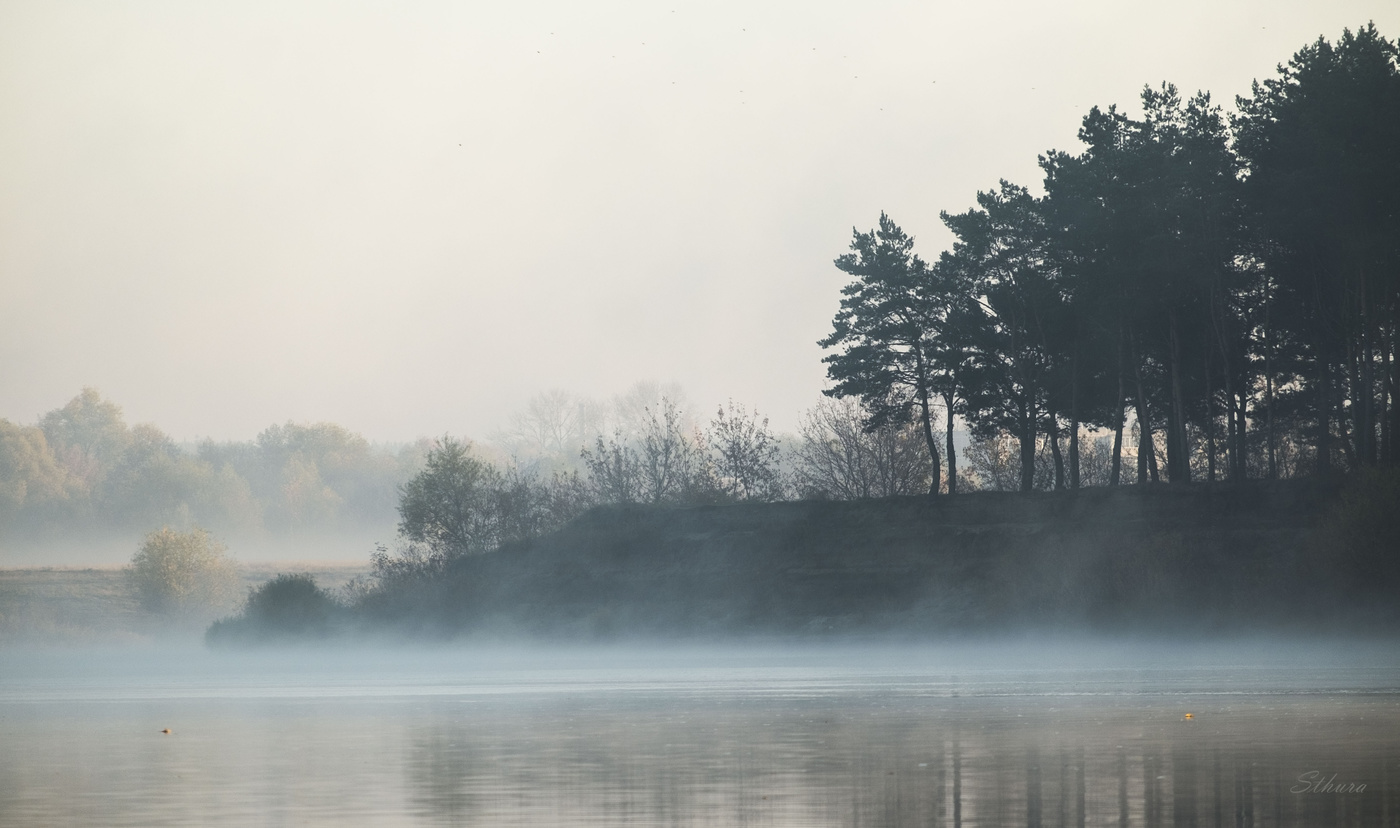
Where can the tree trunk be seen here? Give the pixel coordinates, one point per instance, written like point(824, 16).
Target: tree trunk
point(1210, 418)
point(1152, 460)
point(1222, 340)
point(1054, 435)
point(1391, 410)
point(1356, 445)
point(1368, 382)
point(1231, 444)
point(1367, 427)
point(1324, 415)
point(1368, 401)
point(1074, 425)
point(1178, 455)
point(1173, 447)
point(926, 419)
point(1270, 436)
point(1027, 449)
point(1147, 454)
point(948, 444)
point(1348, 447)
point(1116, 470)
point(1387, 400)
point(1241, 409)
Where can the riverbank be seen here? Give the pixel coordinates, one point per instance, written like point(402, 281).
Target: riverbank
point(1298, 556)
point(81, 606)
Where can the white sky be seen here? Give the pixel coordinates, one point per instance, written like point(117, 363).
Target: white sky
point(408, 218)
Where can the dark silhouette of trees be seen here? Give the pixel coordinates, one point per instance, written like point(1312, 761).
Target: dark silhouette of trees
point(1215, 282)
point(1146, 231)
point(1323, 190)
point(1001, 249)
point(887, 330)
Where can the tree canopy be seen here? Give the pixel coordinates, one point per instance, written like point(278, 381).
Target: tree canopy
point(1229, 286)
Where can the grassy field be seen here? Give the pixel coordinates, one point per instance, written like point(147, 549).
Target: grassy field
point(78, 606)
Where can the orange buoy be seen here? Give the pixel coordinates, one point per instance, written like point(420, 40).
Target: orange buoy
point(1189, 716)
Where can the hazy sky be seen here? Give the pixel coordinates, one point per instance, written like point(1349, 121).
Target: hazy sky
point(410, 217)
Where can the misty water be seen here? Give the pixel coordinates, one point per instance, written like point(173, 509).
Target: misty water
point(989, 734)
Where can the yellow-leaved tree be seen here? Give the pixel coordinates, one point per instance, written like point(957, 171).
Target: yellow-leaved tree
point(184, 573)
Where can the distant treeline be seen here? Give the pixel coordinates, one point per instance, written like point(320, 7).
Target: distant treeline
point(81, 468)
point(1220, 290)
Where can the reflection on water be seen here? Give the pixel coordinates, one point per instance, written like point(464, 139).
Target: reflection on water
point(888, 761)
point(646, 748)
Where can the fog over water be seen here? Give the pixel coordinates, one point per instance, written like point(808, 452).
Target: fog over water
point(313, 242)
point(410, 219)
point(1040, 732)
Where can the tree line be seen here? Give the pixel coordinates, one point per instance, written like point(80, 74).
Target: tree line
point(1219, 292)
point(81, 467)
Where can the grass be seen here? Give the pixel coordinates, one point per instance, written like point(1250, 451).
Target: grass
point(97, 605)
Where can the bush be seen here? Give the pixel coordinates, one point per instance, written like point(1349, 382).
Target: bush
point(288, 606)
point(183, 573)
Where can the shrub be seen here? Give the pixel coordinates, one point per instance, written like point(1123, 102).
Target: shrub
point(288, 606)
point(183, 573)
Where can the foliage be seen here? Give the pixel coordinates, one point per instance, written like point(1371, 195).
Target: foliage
point(452, 506)
point(1002, 248)
point(460, 505)
point(88, 432)
point(1231, 295)
point(82, 468)
point(30, 476)
point(183, 572)
point(1323, 190)
point(288, 606)
point(886, 330)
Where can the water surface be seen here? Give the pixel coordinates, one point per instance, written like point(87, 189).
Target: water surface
point(1037, 734)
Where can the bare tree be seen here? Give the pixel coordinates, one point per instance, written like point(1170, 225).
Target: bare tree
point(630, 412)
point(549, 433)
point(1095, 461)
point(663, 462)
point(614, 470)
point(674, 465)
point(839, 458)
point(995, 462)
point(744, 455)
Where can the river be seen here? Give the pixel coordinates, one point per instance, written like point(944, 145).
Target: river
point(1030, 733)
